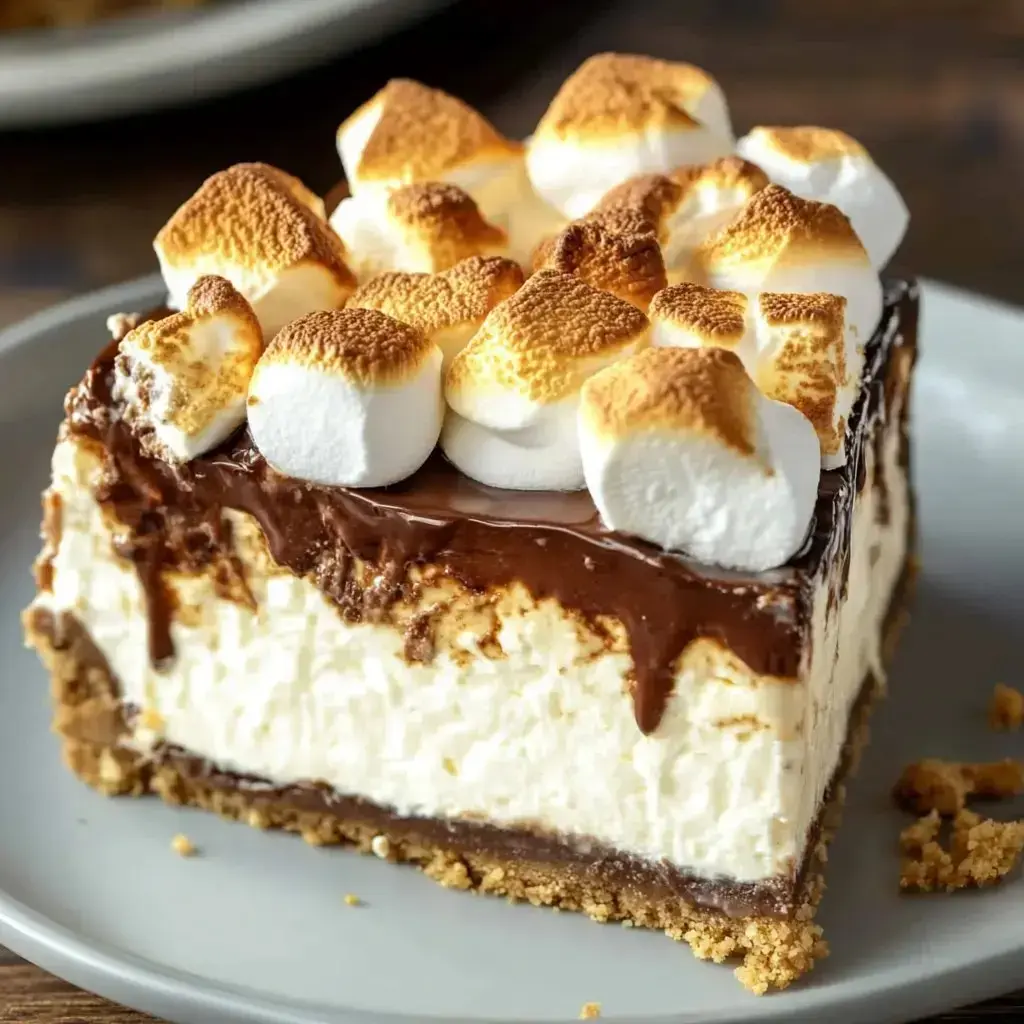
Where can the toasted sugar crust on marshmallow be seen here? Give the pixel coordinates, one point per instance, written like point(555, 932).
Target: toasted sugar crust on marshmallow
point(250, 216)
point(363, 345)
point(775, 221)
point(539, 341)
point(656, 196)
point(446, 220)
point(616, 254)
point(809, 368)
point(212, 295)
point(696, 390)
point(465, 293)
point(201, 391)
point(714, 316)
point(294, 185)
point(807, 144)
point(613, 93)
point(423, 133)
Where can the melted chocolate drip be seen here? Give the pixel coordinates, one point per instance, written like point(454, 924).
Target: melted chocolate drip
point(553, 543)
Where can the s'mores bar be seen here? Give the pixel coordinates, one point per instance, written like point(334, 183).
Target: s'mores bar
point(542, 520)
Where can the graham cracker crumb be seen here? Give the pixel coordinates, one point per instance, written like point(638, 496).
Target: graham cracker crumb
point(1006, 710)
point(981, 852)
point(352, 900)
point(590, 1011)
point(183, 846)
point(944, 786)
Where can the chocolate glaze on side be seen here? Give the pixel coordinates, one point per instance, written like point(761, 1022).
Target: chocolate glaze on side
point(553, 543)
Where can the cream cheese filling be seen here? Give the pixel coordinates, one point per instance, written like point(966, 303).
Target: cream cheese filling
point(541, 732)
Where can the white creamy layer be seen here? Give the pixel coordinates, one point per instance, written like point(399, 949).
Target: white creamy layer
point(728, 785)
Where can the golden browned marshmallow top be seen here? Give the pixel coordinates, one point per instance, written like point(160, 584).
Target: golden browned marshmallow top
point(362, 345)
point(617, 254)
point(776, 221)
point(419, 134)
point(710, 315)
point(463, 294)
point(255, 217)
point(546, 339)
point(613, 93)
point(696, 390)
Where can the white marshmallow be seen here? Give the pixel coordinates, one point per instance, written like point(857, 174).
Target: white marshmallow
point(796, 348)
point(618, 116)
point(262, 230)
point(686, 206)
point(348, 398)
point(779, 242)
point(679, 448)
point(448, 307)
point(424, 228)
point(832, 167)
point(182, 380)
point(514, 390)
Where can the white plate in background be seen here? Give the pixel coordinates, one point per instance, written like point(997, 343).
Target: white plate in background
point(143, 61)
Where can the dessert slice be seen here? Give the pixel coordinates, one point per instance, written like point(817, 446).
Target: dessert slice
point(637, 695)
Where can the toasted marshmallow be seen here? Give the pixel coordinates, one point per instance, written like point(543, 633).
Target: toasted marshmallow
point(264, 231)
point(779, 242)
point(832, 167)
point(448, 307)
point(182, 380)
point(514, 390)
point(349, 398)
point(422, 228)
point(410, 133)
point(618, 116)
point(681, 449)
point(617, 253)
point(687, 205)
point(795, 347)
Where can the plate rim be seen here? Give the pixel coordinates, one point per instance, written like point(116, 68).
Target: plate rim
point(153, 987)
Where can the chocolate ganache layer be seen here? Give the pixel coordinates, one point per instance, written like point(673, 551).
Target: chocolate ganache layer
point(551, 542)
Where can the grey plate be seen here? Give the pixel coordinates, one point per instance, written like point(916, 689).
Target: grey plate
point(146, 61)
point(256, 930)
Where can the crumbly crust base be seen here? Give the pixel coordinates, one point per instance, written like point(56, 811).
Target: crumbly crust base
point(773, 952)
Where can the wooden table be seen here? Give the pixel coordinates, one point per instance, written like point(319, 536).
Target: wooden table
point(934, 88)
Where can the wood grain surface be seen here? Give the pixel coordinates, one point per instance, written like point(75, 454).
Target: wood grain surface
point(934, 88)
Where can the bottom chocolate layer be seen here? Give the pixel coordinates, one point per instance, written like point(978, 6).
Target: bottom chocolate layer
point(719, 919)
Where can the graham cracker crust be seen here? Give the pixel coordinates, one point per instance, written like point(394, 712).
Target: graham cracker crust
point(773, 951)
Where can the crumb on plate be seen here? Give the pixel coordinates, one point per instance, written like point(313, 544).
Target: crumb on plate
point(183, 846)
point(590, 1011)
point(352, 900)
point(944, 786)
point(981, 852)
point(1006, 710)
